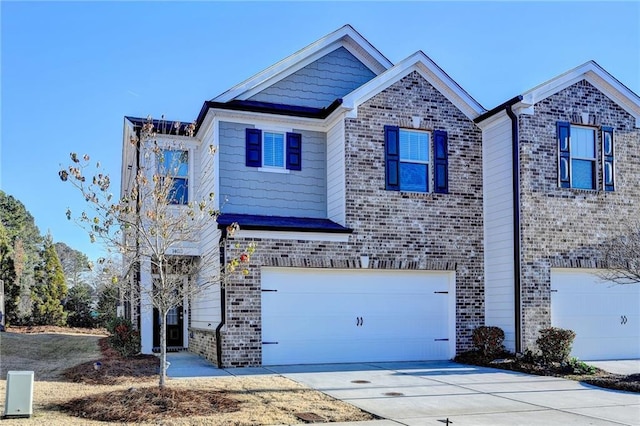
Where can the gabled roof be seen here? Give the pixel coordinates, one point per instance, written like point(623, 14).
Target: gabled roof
point(345, 37)
point(596, 76)
point(429, 71)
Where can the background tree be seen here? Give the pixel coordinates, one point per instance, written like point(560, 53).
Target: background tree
point(621, 256)
point(79, 306)
point(50, 289)
point(25, 242)
point(150, 220)
point(75, 264)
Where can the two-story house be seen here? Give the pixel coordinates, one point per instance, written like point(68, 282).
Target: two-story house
point(562, 176)
point(382, 201)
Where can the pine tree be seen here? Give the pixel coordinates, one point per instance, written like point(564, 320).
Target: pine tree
point(50, 289)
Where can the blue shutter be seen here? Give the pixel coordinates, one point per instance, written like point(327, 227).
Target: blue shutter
point(441, 162)
point(392, 157)
point(608, 151)
point(253, 147)
point(564, 154)
point(294, 151)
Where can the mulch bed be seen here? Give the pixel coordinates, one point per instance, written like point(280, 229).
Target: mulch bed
point(39, 329)
point(600, 378)
point(149, 404)
point(114, 369)
point(137, 404)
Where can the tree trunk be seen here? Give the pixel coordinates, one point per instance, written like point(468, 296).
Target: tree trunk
point(163, 348)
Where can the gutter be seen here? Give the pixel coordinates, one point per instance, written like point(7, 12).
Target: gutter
point(517, 266)
point(223, 304)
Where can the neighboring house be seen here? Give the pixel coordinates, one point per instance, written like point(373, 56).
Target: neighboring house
point(571, 183)
point(362, 184)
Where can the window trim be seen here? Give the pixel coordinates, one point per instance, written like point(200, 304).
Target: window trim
point(187, 177)
point(283, 133)
point(427, 163)
point(593, 160)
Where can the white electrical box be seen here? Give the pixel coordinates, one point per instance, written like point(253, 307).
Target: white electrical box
point(19, 398)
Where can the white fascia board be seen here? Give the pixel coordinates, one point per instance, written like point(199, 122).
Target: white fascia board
point(495, 120)
point(258, 118)
point(429, 71)
point(344, 37)
point(295, 235)
point(596, 76)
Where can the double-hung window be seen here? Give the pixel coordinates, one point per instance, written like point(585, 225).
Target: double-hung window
point(415, 159)
point(174, 169)
point(578, 165)
point(273, 150)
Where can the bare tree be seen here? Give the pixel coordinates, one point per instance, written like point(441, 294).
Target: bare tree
point(621, 256)
point(158, 220)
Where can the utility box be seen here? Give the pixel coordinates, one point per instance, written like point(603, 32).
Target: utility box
point(19, 399)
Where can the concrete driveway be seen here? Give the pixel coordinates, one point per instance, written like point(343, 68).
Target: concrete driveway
point(429, 393)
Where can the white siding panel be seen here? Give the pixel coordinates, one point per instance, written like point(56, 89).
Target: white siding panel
point(336, 203)
point(498, 229)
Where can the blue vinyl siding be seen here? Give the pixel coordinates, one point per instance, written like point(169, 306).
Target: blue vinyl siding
point(320, 83)
point(248, 190)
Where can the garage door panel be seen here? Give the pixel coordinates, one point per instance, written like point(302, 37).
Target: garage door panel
point(318, 316)
point(605, 317)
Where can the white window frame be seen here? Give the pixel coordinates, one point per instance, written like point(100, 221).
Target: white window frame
point(428, 163)
point(593, 159)
point(275, 169)
point(189, 176)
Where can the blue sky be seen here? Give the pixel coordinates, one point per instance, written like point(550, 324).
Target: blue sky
point(72, 71)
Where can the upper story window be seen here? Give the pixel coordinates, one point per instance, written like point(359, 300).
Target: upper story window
point(174, 166)
point(414, 159)
point(273, 150)
point(578, 165)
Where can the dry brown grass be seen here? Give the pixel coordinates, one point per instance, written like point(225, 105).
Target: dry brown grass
point(247, 400)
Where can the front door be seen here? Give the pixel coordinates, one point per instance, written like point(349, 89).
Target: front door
point(175, 327)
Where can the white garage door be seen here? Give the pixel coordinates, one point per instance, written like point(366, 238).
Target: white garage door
point(328, 316)
point(604, 316)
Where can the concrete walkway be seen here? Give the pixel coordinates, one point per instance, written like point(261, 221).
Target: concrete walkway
point(429, 393)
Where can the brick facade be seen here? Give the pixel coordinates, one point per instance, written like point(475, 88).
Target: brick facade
point(564, 227)
point(398, 230)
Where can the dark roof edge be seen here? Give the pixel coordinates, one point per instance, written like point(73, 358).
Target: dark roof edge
point(162, 126)
point(290, 229)
point(268, 108)
point(497, 109)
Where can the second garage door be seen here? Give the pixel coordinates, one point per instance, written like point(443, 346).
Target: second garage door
point(604, 316)
point(329, 316)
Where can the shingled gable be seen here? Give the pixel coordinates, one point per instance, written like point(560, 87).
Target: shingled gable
point(345, 37)
point(595, 75)
point(431, 72)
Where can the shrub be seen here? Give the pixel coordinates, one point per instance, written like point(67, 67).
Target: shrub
point(124, 338)
point(555, 344)
point(488, 341)
point(580, 367)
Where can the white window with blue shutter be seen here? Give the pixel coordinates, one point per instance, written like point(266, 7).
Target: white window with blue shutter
point(273, 150)
point(410, 165)
point(578, 157)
